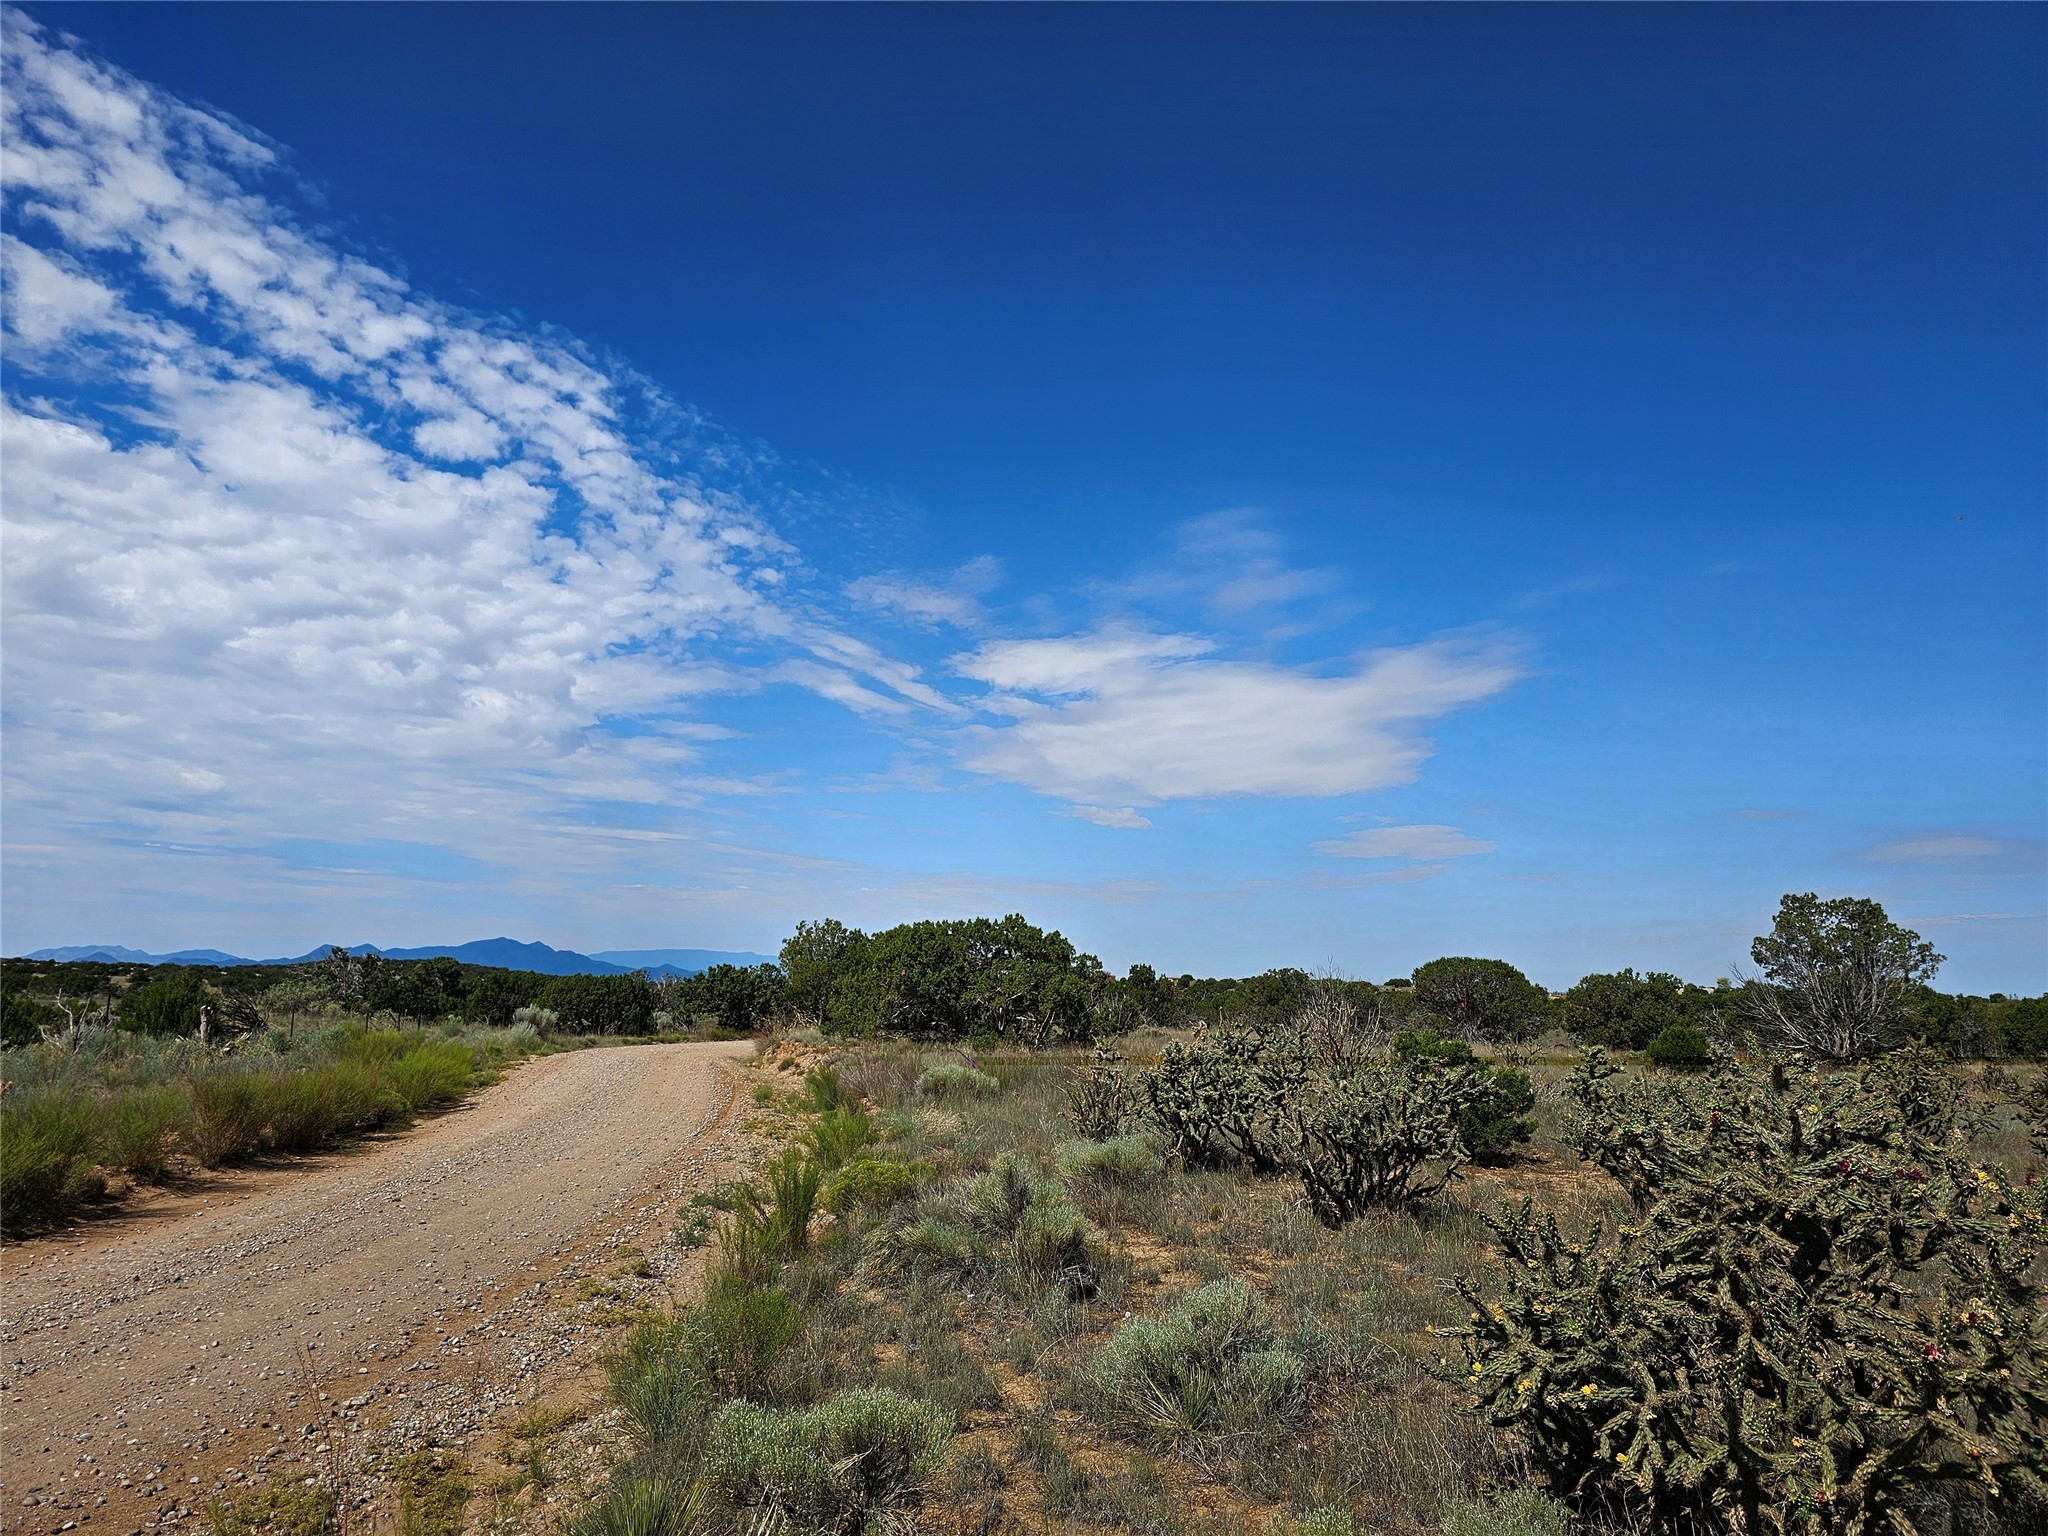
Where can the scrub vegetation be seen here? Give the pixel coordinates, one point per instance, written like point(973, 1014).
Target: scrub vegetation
point(1323, 1257)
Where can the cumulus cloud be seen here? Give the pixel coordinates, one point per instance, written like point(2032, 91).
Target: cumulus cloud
point(1428, 841)
point(289, 543)
point(1125, 716)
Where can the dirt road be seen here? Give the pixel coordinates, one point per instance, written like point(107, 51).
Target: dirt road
point(290, 1321)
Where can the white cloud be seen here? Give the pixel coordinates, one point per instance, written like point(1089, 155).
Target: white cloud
point(1122, 817)
point(1124, 716)
point(954, 600)
point(1954, 848)
point(1424, 842)
point(291, 546)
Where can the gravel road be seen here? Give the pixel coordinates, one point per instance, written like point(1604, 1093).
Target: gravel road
point(292, 1322)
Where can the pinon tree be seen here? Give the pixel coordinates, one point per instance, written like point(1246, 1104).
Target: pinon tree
point(1826, 1321)
point(1839, 977)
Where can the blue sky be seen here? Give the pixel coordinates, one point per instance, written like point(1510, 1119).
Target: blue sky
point(1246, 486)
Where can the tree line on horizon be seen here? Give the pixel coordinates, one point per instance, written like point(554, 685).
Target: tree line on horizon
point(1836, 979)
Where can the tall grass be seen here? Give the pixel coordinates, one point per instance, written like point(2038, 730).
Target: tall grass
point(129, 1104)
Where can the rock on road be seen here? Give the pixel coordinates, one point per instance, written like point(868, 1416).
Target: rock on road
point(408, 1287)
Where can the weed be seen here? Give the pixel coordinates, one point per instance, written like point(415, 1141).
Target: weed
point(1212, 1365)
point(1517, 1512)
point(837, 1136)
point(277, 1509)
point(1121, 1160)
point(45, 1168)
point(871, 1184)
point(858, 1454)
point(953, 1080)
point(433, 1490)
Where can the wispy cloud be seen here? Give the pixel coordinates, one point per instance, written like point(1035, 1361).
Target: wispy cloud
point(954, 599)
point(1429, 841)
point(290, 545)
point(1122, 817)
point(1122, 716)
point(1233, 569)
point(1956, 848)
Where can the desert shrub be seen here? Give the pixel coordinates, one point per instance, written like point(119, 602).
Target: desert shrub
point(857, 1454)
point(672, 1371)
point(1826, 1318)
point(1384, 1136)
point(168, 1004)
point(1036, 1232)
point(1516, 1512)
point(1681, 1047)
point(432, 1072)
point(1008, 1226)
point(839, 1135)
point(823, 1092)
point(1220, 1103)
point(869, 1183)
point(1210, 1365)
point(46, 1140)
point(776, 1219)
point(24, 1016)
point(139, 1127)
point(534, 1020)
point(1115, 1161)
point(1102, 1103)
point(307, 1109)
point(643, 1506)
point(371, 1047)
point(227, 1116)
point(954, 1080)
point(1319, 1522)
point(276, 1509)
point(1494, 1124)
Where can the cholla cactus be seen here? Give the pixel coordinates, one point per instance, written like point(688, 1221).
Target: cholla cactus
point(1384, 1135)
point(1218, 1103)
point(1824, 1314)
point(1103, 1105)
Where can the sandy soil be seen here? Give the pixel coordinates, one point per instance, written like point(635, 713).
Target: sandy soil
point(297, 1321)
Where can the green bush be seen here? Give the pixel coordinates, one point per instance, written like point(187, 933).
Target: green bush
point(673, 1371)
point(167, 1005)
point(823, 1092)
point(858, 1454)
point(1211, 1365)
point(1496, 1122)
point(1319, 1522)
point(227, 1116)
point(839, 1135)
point(869, 1183)
point(1036, 1233)
point(432, 1072)
point(1681, 1047)
point(643, 1506)
point(1110, 1162)
point(139, 1127)
point(304, 1110)
point(1826, 1318)
point(46, 1166)
point(1517, 1512)
point(953, 1080)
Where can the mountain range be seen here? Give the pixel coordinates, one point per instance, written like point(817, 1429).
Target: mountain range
point(511, 954)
